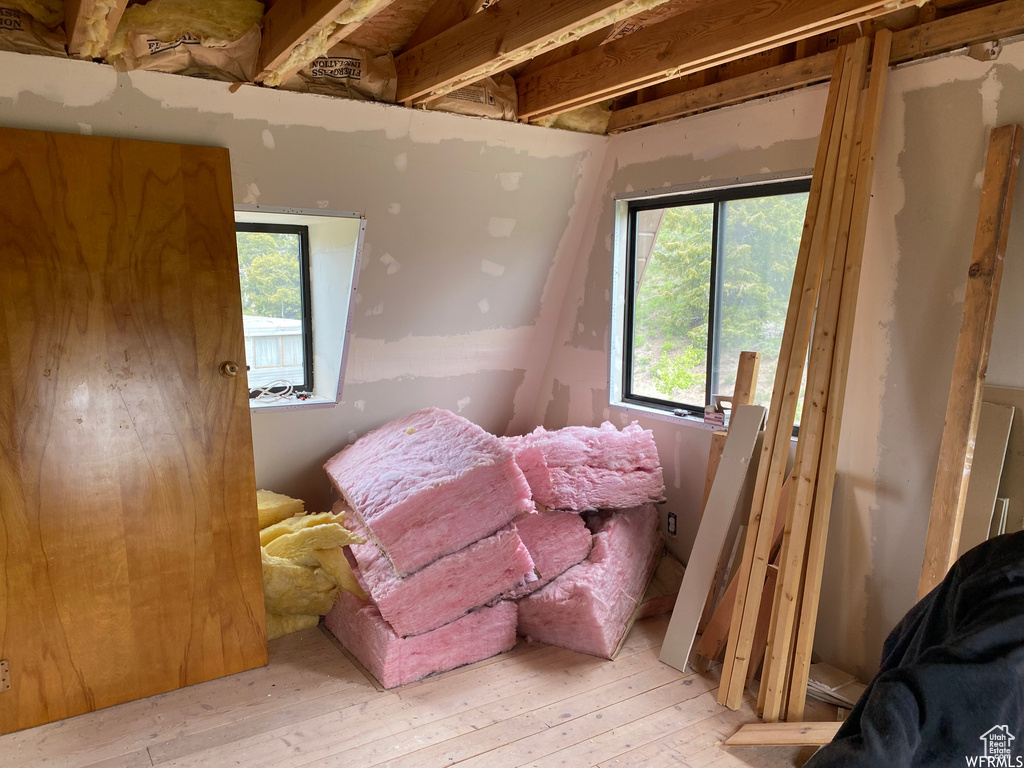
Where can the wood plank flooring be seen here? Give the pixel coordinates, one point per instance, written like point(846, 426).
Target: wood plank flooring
point(535, 706)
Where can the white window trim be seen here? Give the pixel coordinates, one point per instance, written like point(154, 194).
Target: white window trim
point(327, 389)
point(617, 402)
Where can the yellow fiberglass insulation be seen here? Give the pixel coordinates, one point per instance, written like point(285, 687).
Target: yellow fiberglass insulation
point(275, 507)
point(50, 13)
point(279, 625)
point(316, 45)
point(292, 589)
point(298, 547)
point(214, 22)
point(336, 565)
point(297, 523)
point(591, 119)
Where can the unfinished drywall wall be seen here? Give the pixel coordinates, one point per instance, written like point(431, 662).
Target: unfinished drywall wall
point(924, 209)
point(770, 137)
point(460, 285)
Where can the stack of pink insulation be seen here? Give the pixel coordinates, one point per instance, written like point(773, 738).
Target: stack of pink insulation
point(588, 608)
point(435, 496)
point(582, 468)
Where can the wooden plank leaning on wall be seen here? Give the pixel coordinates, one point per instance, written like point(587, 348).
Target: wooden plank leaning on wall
point(971, 360)
point(782, 412)
point(842, 202)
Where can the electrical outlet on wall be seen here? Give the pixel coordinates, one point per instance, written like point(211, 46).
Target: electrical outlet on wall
point(671, 523)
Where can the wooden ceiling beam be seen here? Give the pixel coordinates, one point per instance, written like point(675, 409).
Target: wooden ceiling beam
point(288, 25)
point(442, 16)
point(80, 16)
point(502, 32)
point(793, 74)
point(714, 33)
point(993, 22)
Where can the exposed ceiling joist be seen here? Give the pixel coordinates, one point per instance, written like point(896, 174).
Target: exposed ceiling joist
point(714, 33)
point(984, 24)
point(792, 74)
point(442, 16)
point(90, 26)
point(287, 24)
point(295, 33)
point(496, 37)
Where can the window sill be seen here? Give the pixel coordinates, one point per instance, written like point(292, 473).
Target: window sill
point(290, 404)
point(647, 412)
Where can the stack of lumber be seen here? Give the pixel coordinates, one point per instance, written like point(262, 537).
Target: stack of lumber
point(820, 316)
point(304, 566)
point(435, 496)
point(610, 480)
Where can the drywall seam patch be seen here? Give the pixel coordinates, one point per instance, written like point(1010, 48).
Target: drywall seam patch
point(494, 349)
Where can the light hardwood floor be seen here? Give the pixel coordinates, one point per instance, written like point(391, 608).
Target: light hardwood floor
point(534, 706)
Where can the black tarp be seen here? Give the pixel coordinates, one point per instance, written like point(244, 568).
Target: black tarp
point(951, 682)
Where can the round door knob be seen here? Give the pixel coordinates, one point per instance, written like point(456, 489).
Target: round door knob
point(229, 369)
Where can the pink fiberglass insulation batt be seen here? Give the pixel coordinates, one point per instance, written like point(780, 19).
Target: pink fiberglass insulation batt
point(556, 542)
point(447, 588)
point(428, 485)
point(587, 608)
point(395, 661)
point(585, 468)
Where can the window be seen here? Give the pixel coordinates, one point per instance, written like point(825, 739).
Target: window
point(706, 275)
point(273, 266)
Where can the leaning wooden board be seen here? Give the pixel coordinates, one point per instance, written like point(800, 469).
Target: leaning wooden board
point(129, 544)
point(722, 509)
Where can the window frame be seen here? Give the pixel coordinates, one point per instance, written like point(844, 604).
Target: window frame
point(305, 300)
point(627, 209)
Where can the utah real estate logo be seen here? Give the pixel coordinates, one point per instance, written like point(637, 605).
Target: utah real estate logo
point(998, 750)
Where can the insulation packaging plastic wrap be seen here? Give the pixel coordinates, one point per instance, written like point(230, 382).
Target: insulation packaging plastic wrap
point(583, 468)
point(428, 485)
point(350, 72)
point(396, 661)
point(449, 587)
point(217, 40)
point(556, 541)
point(588, 608)
point(491, 97)
point(22, 31)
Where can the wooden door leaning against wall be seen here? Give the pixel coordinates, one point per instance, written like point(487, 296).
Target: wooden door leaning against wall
point(129, 545)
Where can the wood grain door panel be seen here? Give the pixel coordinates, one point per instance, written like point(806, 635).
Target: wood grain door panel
point(128, 532)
